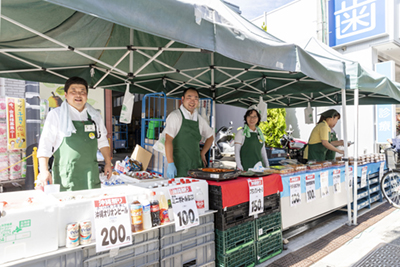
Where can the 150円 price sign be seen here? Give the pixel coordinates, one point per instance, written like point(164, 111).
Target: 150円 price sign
point(112, 221)
point(256, 196)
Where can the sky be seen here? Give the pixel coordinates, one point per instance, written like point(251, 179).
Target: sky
point(254, 8)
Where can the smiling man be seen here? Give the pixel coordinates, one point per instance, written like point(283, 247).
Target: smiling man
point(72, 133)
point(183, 132)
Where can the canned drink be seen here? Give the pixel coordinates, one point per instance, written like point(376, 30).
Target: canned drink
point(85, 232)
point(72, 235)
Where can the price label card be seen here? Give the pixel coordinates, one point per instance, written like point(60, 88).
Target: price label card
point(295, 191)
point(381, 170)
point(184, 207)
point(324, 176)
point(364, 176)
point(351, 175)
point(256, 196)
point(310, 187)
point(337, 186)
point(113, 223)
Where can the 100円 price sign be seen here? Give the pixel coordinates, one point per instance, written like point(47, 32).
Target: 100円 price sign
point(256, 196)
point(184, 207)
point(112, 221)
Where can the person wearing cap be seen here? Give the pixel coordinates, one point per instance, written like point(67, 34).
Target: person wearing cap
point(184, 130)
point(73, 133)
point(250, 142)
point(320, 146)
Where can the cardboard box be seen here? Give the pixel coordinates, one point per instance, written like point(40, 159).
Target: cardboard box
point(142, 155)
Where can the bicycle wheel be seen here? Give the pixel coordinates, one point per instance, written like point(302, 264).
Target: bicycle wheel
point(390, 188)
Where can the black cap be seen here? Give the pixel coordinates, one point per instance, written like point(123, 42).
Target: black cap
point(330, 113)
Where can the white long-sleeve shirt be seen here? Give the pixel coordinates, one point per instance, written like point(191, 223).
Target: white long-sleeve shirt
point(239, 141)
point(51, 135)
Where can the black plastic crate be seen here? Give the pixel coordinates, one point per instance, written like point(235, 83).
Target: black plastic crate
point(244, 257)
point(269, 246)
point(235, 215)
point(268, 224)
point(233, 239)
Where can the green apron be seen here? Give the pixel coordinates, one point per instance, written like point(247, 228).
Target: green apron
point(75, 161)
point(250, 152)
point(317, 151)
point(331, 155)
point(186, 147)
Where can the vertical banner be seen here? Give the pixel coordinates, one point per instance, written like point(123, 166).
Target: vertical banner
point(16, 135)
point(385, 128)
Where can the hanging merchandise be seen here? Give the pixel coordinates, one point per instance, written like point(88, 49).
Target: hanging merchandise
point(308, 114)
point(16, 137)
point(127, 106)
point(262, 108)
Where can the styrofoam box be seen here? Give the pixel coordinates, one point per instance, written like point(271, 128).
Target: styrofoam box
point(202, 184)
point(28, 228)
point(82, 209)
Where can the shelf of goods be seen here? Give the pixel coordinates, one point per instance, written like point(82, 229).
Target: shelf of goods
point(120, 134)
point(240, 239)
point(368, 184)
point(32, 217)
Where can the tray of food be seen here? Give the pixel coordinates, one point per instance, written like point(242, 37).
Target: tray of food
point(215, 174)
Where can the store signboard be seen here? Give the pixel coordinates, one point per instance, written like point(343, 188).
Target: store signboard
point(355, 20)
point(16, 130)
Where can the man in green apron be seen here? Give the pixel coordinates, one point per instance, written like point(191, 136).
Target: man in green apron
point(184, 130)
point(320, 141)
point(74, 131)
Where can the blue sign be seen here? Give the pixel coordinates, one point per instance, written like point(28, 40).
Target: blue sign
point(384, 127)
point(354, 20)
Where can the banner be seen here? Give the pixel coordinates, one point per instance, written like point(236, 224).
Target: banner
point(16, 134)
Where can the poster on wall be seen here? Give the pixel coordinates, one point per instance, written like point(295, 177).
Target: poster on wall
point(54, 93)
point(16, 130)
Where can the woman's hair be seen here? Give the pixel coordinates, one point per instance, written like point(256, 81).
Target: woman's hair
point(322, 118)
point(248, 112)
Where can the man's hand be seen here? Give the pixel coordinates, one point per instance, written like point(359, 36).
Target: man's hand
point(203, 158)
point(171, 170)
point(45, 177)
point(108, 170)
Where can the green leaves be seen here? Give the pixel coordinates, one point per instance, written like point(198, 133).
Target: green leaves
point(274, 128)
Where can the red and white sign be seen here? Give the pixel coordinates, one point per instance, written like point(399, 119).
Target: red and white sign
point(295, 190)
point(256, 196)
point(113, 224)
point(310, 187)
point(184, 206)
point(364, 177)
point(337, 186)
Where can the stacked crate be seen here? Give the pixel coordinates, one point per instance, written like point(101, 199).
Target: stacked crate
point(243, 240)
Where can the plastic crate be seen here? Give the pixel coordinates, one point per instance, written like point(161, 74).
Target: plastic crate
point(239, 214)
point(141, 254)
point(234, 238)
point(202, 255)
point(375, 197)
point(244, 257)
point(168, 235)
point(176, 248)
point(362, 193)
point(269, 246)
point(267, 224)
point(362, 203)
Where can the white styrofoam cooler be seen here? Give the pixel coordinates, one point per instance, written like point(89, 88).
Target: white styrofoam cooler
point(82, 209)
point(28, 228)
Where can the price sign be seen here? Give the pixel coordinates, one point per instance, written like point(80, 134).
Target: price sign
point(351, 174)
point(381, 169)
point(113, 223)
point(184, 207)
point(295, 191)
point(337, 186)
point(310, 187)
point(364, 176)
point(324, 176)
point(256, 196)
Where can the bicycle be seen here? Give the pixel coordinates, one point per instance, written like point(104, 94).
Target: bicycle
point(390, 183)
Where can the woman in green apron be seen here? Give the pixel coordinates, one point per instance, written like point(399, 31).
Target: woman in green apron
point(250, 142)
point(320, 146)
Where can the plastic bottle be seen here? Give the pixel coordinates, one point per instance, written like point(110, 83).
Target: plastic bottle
point(200, 201)
point(163, 209)
point(170, 211)
point(154, 210)
point(136, 216)
point(146, 212)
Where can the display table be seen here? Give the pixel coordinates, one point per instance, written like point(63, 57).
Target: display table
point(303, 211)
point(236, 191)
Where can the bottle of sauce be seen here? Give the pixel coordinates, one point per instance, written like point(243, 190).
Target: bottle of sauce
point(154, 210)
point(137, 216)
point(163, 209)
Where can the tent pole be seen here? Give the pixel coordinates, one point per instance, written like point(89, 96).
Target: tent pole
point(131, 38)
point(355, 204)
point(346, 156)
point(213, 106)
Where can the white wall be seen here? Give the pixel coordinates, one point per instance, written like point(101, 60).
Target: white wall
point(225, 114)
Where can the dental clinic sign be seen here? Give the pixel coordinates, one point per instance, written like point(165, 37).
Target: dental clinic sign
point(385, 128)
point(355, 20)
